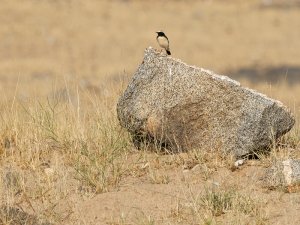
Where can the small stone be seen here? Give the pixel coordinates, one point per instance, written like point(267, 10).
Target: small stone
point(282, 174)
point(239, 162)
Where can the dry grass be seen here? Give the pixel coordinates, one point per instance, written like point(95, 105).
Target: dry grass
point(64, 159)
point(210, 206)
point(54, 147)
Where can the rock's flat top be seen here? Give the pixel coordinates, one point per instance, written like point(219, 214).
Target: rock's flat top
point(187, 107)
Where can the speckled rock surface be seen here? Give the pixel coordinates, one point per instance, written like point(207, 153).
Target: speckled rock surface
point(184, 107)
point(282, 173)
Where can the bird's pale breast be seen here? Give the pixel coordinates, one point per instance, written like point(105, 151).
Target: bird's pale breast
point(163, 42)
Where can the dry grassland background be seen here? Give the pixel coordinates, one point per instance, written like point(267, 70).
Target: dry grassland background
point(64, 158)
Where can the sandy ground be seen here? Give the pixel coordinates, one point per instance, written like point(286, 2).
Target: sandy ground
point(142, 202)
point(71, 47)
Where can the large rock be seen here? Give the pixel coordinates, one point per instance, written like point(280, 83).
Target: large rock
point(183, 107)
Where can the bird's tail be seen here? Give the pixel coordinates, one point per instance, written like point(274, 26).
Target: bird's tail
point(168, 51)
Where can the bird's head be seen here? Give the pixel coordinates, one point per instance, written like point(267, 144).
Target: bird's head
point(160, 33)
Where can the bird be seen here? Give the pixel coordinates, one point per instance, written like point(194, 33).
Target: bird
point(163, 41)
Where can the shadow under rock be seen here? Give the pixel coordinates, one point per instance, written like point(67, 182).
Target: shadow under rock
point(279, 4)
point(273, 75)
